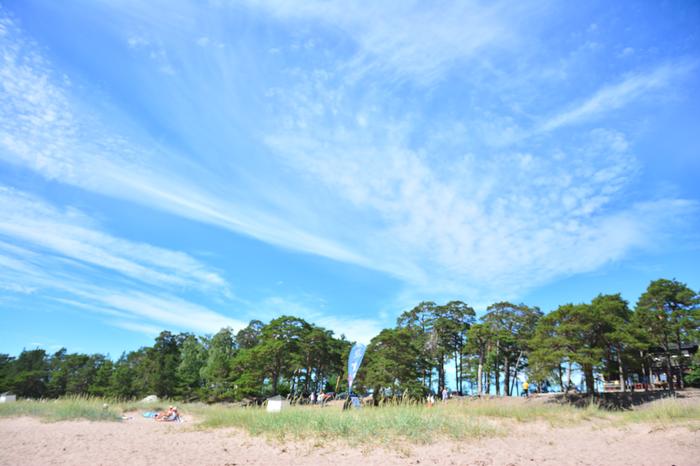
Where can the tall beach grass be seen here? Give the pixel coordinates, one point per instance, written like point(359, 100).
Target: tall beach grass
point(415, 423)
point(63, 409)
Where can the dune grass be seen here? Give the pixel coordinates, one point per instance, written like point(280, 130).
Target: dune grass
point(525, 411)
point(63, 409)
point(369, 425)
point(664, 411)
point(418, 423)
point(386, 424)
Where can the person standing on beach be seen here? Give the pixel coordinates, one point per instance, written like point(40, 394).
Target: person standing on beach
point(445, 394)
point(526, 386)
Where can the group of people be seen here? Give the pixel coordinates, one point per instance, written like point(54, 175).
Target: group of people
point(321, 397)
point(444, 394)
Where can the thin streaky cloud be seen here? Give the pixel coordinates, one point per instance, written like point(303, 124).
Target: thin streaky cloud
point(615, 96)
point(366, 139)
point(44, 139)
point(149, 330)
point(69, 233)
point(389, 43)
point(113, 298)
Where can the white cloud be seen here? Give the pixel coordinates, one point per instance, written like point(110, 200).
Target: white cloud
point(165, 309)
point(149, 330)
point(615, 96)
point(484, 226)
point(39, 130)
point(62, 255)
point(71, 234)
point(103, 296)
point(416, 40)
point(626, 52)
point(360, 173)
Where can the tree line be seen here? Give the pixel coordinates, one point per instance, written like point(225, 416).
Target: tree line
point(289, 356)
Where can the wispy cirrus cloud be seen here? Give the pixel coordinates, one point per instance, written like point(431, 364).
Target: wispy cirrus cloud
point(71, 234)
point(64, 256)
point(388, 40)
point(150, 330)
point(113, 301)
point(615, 96)
point(40, 130)
point(359, 155)
point(476, 226)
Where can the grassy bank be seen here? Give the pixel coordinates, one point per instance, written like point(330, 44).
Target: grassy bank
point(666, 411)
point(63, 409)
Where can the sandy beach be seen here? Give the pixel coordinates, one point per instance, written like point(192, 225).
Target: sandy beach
point(139, 441)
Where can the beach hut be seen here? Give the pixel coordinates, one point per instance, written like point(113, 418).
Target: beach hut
point(7, 397)
point(275, 404)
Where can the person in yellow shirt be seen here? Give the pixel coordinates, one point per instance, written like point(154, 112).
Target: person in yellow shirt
point(526, 386)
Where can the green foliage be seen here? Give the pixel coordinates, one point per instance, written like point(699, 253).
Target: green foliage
point(392, 364)
point(123, 376)
point(440, 332)
point(31, 374)
point(291, 356)
point(193, 357)
point(249, 336)
point(667, 313)
point(572, 333)
point(100, 384)
point(7, 369)
point(511, 326)
point(693, 377)
point(217, 371)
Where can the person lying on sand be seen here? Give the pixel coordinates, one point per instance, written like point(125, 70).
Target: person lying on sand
point(171, 416)
point(164, 414)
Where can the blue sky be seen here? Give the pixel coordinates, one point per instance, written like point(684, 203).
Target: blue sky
point(192, 165)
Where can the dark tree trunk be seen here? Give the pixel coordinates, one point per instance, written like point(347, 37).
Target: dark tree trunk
point(681, 384)
point(479, 375)
point(457, 378)
point(496, 372)
point(620, 368)
point(441, 372)
point(515, 372)
point(506, 376)
point(646, 374)
point(561, 377)
point(669, 371)
point(487, 380)
point(590, 381)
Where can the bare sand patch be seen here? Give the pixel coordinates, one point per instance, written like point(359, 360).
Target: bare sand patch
point(140, 441)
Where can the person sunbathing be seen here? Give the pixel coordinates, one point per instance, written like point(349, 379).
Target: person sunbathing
point(164, 414)
point(173, 415)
